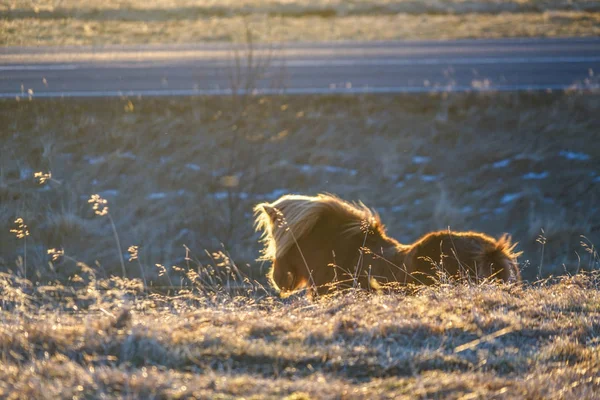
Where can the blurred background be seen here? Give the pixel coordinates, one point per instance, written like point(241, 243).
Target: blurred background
point(182, 115)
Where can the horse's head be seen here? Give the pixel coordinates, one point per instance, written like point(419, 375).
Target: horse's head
point(280, 246)
point(500, 262)
point(463, 255)
point(283, 277)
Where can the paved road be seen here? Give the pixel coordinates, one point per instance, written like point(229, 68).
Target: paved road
point(317, 68)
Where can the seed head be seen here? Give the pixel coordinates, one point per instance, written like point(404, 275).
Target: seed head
point(42, 177)
point(100, 206)
point(133, 252)
point(21, 230)
point(56, 253)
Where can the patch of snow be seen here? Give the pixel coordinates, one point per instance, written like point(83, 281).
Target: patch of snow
point(224, 195)
point(164, 159)
point(573, 155)
point(220, 195)
point(596, 179)
point(509, 197)
point(333, 169)
point(218, 172)
point(429, 178)
point(193, 167)
point(466, 209)
point(502, 163)
point(327, 168)
point(421, 160)
point(417, 202)
point(109, 193)
point(397, 209)
point(94, 160)
point(25, 173)
point(400, 184)
point(129, 155)
point(529, 156)
point(156, 196)
point(535, 176)
point(498, 210)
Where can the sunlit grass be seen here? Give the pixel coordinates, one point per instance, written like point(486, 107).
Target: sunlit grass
point(109, 337)
point(171, 27)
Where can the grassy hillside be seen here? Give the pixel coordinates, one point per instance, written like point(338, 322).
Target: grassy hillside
point(74, 22)
point(108, 338)
point(187, 172)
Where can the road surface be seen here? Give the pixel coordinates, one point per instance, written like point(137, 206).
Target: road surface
point(309, 68)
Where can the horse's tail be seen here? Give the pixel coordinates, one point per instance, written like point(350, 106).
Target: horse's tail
point(502, 259)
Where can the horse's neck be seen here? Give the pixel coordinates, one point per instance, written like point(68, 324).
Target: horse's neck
point(403, 248)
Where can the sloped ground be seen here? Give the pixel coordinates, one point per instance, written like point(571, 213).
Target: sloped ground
point(188, 171)
point(108, 338)
point(77, 22)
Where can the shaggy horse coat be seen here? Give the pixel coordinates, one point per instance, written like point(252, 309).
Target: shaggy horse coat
point(325, 242)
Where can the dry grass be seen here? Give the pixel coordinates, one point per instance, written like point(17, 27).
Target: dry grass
point(296, 7)
point(102, 338)
point(188, 171)
point(76, 22)
point(137, 9)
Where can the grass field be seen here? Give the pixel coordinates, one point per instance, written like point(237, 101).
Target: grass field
point(77, 22)
point(127, 249)
point(187, 171)
point(109, 339)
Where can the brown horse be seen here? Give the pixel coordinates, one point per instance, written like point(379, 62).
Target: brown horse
point(325, 242)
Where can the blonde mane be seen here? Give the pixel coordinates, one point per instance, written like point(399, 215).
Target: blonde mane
point(287, 220)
